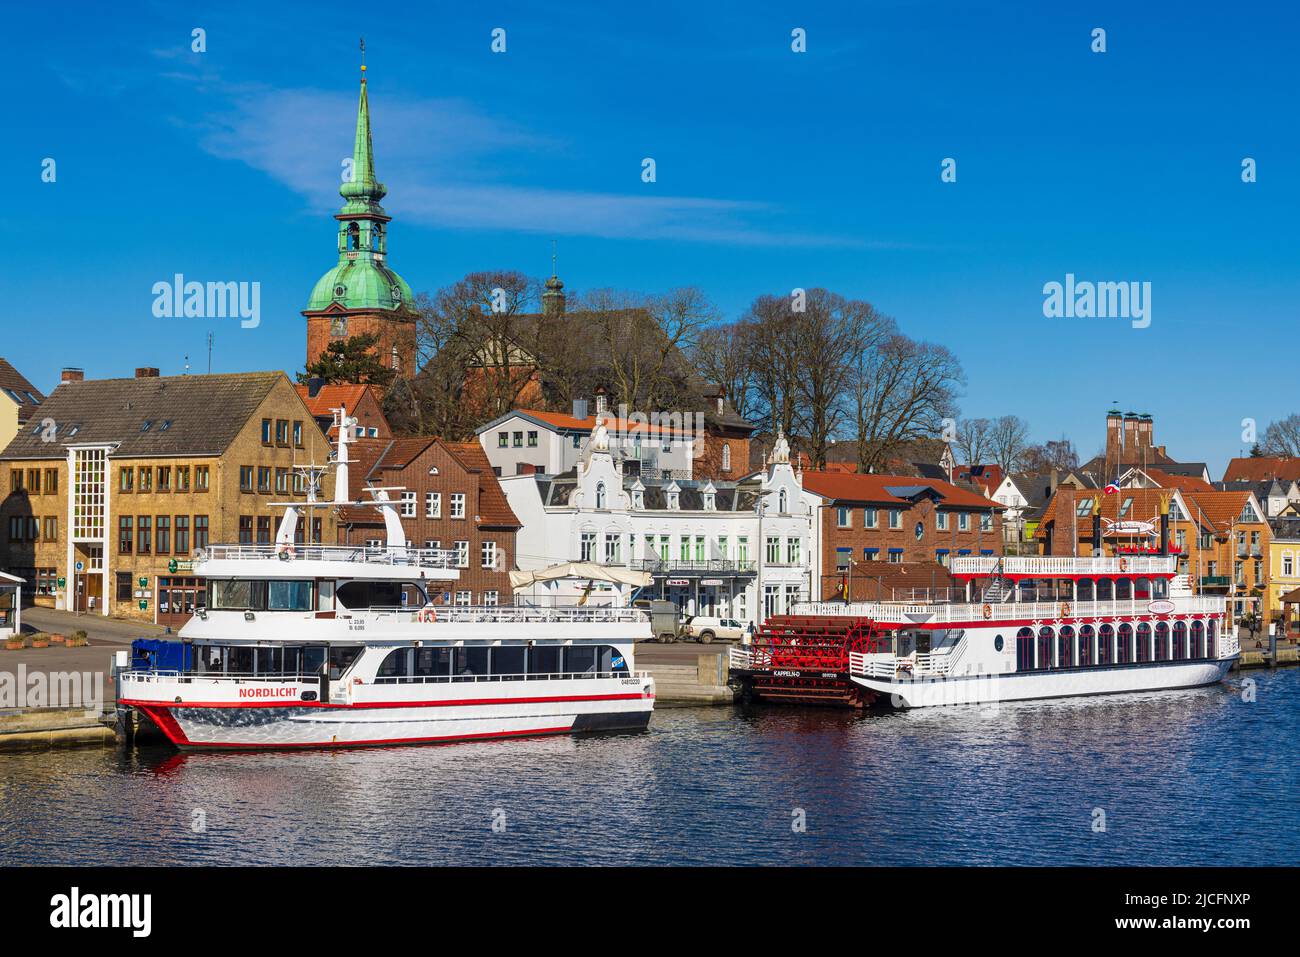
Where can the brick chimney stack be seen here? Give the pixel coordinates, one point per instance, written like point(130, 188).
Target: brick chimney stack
point(1130, 437)
point(1146, 427)
point(146, 372)
point(71, 374)
point(1114, 443)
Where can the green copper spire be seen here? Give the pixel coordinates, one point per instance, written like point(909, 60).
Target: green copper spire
point(362, 279)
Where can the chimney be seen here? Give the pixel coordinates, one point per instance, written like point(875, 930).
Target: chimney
point(71, 374)
point(1146, 428)
point(1113, 442)
point(146, 372)
point(1129, 453)
point(314, 385)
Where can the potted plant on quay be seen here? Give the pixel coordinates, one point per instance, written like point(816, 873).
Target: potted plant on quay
point(40, 640)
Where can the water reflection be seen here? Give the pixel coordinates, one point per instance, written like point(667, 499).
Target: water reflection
point(1191, 777)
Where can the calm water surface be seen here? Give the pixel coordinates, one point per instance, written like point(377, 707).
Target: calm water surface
point(1196, 777)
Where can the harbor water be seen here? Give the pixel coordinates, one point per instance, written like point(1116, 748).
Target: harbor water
point(1201, 777)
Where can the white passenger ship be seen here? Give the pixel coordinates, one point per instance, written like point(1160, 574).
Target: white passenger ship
point(306, 646)
point(1031, 627)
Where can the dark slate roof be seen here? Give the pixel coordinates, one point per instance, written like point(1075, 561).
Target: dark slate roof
point(186, 415)
point(728, 496)
point(16, 386)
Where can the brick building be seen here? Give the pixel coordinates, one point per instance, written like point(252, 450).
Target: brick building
point(895, 519)
point(141, 472)
point(451, 500)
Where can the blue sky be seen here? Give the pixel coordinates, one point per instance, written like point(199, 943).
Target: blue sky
point(775, 170)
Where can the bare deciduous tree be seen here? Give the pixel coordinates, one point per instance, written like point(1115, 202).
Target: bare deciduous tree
point(1283, 437)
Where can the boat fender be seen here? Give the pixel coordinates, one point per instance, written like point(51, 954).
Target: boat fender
point(1123, 564)
point(426, 614)
point(1065, 609)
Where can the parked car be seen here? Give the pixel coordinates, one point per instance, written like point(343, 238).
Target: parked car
point(704, 628)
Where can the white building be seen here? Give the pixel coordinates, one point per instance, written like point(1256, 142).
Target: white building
point(530, 440)
point(734, 549)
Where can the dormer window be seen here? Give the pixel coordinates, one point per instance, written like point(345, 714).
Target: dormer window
point(710, 501)
point(638, 498)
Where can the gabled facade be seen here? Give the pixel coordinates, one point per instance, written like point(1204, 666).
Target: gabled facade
point(734, 549)
point(362, 402)
point(19, 401)
point(449, 499)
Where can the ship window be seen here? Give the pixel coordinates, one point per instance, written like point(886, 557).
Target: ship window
point(396, 665)
point(1045, 636)
point(289, 596)
point(1065, 647)
point(1212, 630)
point(236, 594)
point(313, 659)
point(470, 662)
point(1105, 589)
point(1143, 642)
point(432, 662)
point(239, 661)
point(1087, 643)
point(366, 594)
point(1180, 640)
point(544, 660)
point(579, 659)
point(1162, 641)
point(341, 659)
point(508, 660)
point(1025, 649)
point(1124, 589)
point(1084, 589)
point(1198, 639)
point(1125, 654)
point(611, 661)
point(1104, 642)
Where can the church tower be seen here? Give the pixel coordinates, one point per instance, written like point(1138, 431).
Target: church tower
point(362, 295)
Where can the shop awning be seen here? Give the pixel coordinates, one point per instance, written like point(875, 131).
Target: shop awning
point(584, 570)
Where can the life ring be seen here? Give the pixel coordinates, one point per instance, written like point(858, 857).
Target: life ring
point(988, 612)
point(284, 551)
point(1123, 564)
point(1065, 609)
point(426, 614)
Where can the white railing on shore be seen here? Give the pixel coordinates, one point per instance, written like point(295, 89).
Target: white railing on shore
point(1049, 565)
point(500, 614)
point(974, 613)
point(405, 557)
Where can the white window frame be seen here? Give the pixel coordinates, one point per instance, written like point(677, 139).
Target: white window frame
point(433, 505)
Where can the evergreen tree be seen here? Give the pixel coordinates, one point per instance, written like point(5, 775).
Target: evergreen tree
point(351, 360)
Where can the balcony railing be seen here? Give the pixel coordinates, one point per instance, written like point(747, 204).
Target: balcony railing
point(905, 614)
point(1212, 581)
point(1047, 565)
point(664, 566)
point(405, 557)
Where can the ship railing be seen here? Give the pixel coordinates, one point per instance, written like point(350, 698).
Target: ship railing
point(916, 665)
point(151, 676)
point(905, 613)
point(525, 676)
point(503, 614)
point(1049, 565)
point(364, 554)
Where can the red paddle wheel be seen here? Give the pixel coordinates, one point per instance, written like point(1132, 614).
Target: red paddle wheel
point(804, 659)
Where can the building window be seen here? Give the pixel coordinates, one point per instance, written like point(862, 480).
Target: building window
point(490, 599)
point(124, 586)
point(245, 529)
point(532, 439)
point(282, 481)
point(297, 433)
point(52, 481)
point(457, 504)
point(742, 548)
point(246, 478)
point(408, 504)
point(182, 534)
point(144, 536)
point(726, 456)
point(895, 518)
point(1288, 564)
point(941, 520)
point(587, 547)
point(842, 558)
point(51, 528)
point(125, 479)
point(124, 535)
point(518, 442)
point(462, 554)
point(462, 598)
point(200, 478)
point(782, 502)
point(613, 549)
point(684, 548)
point(163, 534)
point(164, 478)
point(488, 554)
point(792, 551)
point(433, 505)
point(266, 431)
point(842, 516)
point(963, 522)
point(869, 518)
point(699, 548)
point(263, 479)
point(772, 550)
point(264, 529)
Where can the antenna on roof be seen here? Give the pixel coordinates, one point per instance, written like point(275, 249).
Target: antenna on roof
point(210, 338)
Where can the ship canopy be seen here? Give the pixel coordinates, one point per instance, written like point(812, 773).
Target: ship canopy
point(587, 570)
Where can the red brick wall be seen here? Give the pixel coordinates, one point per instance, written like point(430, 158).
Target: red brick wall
point(709, 464)
point(856, 537)
point(390, 329)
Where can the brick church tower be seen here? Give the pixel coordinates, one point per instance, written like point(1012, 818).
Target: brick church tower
point(362, 295)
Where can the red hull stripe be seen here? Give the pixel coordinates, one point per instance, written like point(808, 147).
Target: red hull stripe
point(376, 741)
point(163, 718)
point(295, 703)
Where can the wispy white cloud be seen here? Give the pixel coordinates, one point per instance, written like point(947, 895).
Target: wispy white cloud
point(442, 161)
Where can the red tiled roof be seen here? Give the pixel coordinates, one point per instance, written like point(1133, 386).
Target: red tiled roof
point(331, 396)
point(839, 487)
point(492, 505)
point(1262, 469)
point(1063, 506)
point(1221, 508)
point(1185, 483)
